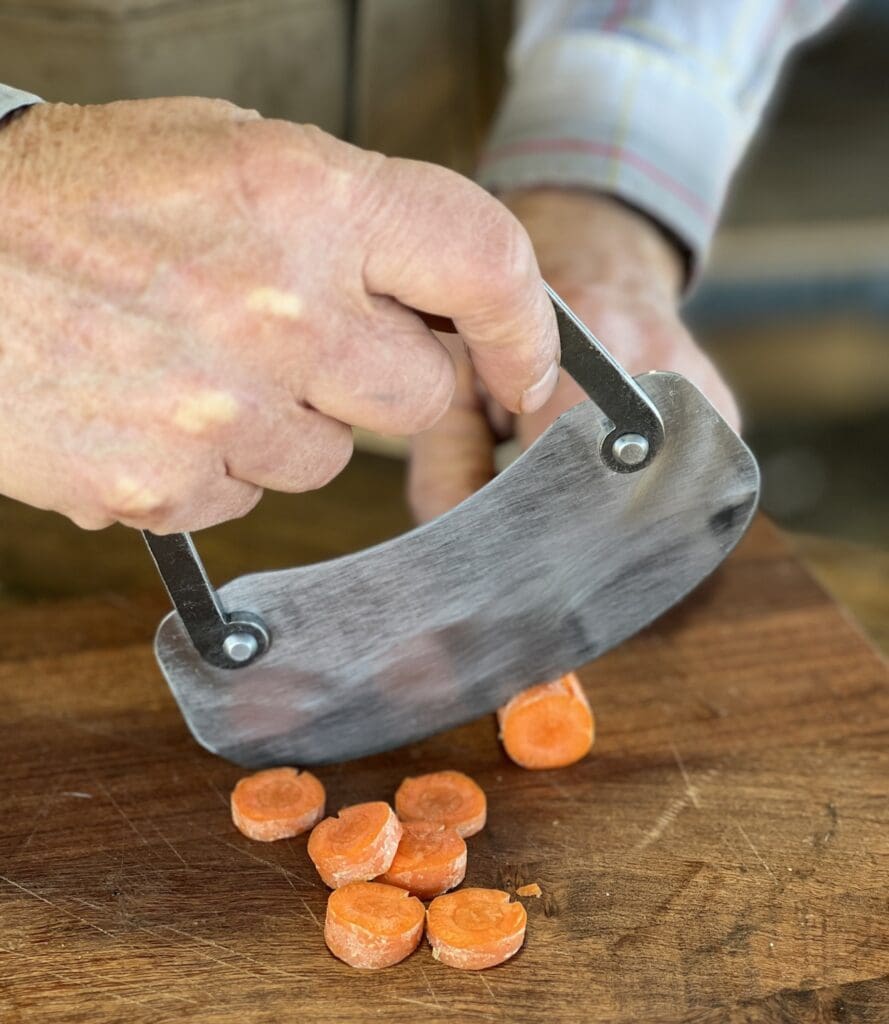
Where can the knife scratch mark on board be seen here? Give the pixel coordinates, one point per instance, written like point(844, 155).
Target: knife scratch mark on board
point(77, 979)
point(140, 835)
point(755, 851)
point(269, 968)
point(689, 788)
point(417, 1002)
point(311, 914)
point(38, 818)
point(210, 782)
point(207, 956)
point(560, 789)
point(289, 881)
point(487, 985)
point(672, 812)
point(666, 819)
point(431, 989)
point(171, 846)
point(56, 906)
point(261, 860)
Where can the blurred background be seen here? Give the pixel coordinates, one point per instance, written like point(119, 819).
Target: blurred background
point(794, 305)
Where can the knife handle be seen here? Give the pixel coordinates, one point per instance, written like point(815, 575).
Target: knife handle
point(226, 640)
point(235, 639)
point(638, 430)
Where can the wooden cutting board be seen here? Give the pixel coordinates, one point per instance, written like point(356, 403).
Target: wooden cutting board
point(721, 856)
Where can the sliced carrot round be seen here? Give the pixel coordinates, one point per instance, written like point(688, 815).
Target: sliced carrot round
point(371, 925)
point(449, 798)
point(547, 726)
point(475, 928)
point(430, 859)
point(277, 803)
point(357, 845)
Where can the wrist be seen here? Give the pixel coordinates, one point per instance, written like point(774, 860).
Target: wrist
point(580, 233)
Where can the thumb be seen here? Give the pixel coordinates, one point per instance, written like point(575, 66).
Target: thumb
point(455, 457)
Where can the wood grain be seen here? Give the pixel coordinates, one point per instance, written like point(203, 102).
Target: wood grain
point(722, 855)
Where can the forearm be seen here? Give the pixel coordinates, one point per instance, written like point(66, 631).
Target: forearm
point(654, 105)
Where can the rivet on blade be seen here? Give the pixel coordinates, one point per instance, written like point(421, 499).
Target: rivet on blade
point(240, 647)
point(630, 449)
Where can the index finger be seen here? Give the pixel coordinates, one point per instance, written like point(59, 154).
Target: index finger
point(444, 246)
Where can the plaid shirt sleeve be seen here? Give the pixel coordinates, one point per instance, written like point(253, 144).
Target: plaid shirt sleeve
point(14, 99)
point(652, 101)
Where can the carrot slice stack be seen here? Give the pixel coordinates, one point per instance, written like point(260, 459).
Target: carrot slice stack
point(430, 860)
point(475, 928)
point(277, 803)
point(449, 798)
point(370, 925)
point(357, 845)
point(547, 726)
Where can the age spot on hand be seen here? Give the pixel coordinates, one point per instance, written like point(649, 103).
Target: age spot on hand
point(204, 410)
point(275, 302)
point(132, 497)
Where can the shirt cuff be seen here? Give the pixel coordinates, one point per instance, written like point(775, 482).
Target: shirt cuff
point(14, 99)
point(590, 110)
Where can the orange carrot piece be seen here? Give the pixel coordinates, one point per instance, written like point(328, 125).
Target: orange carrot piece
point(475, 928)
point(370, 925)
point(430, 860)
point(531, 889)
point(277, 803)
point(357, 845)
point(547, 726)
point(448, 798)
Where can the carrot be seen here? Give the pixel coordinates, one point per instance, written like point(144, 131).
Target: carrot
point(430, 860)
point(448, 798)
point(371, 925)
point(531, 889)
point(277, 803)
point(547, 726)
point(475, 928)
point(355, 846)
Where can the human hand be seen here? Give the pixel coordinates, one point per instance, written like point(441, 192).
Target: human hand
point(196, 303)
point(622, 277)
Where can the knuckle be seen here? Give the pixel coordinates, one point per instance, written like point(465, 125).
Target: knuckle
point(134, 499)
point(268, 135)
point(331, 458)
point(90, 519)
point(227, 110)
point(201, 511)
point(300, 164)
point(246, 503)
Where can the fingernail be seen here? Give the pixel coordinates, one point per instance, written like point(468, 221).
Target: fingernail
point(540, 393)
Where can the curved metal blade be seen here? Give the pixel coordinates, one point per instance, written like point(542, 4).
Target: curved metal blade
point(545, 568)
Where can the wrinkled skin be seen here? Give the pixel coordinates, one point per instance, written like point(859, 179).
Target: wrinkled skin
point(196, 303)
point(623, 278)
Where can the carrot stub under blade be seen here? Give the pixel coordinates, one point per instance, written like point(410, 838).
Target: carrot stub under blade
point(357, 845)
point(371, 925)
point(449, 798)
point(475, 928)
point(547, 726)
point(430, 860)
point(277, 803)
point(531, 889)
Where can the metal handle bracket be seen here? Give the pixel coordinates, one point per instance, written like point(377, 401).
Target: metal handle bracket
point(638, 428)
point(226, 640)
